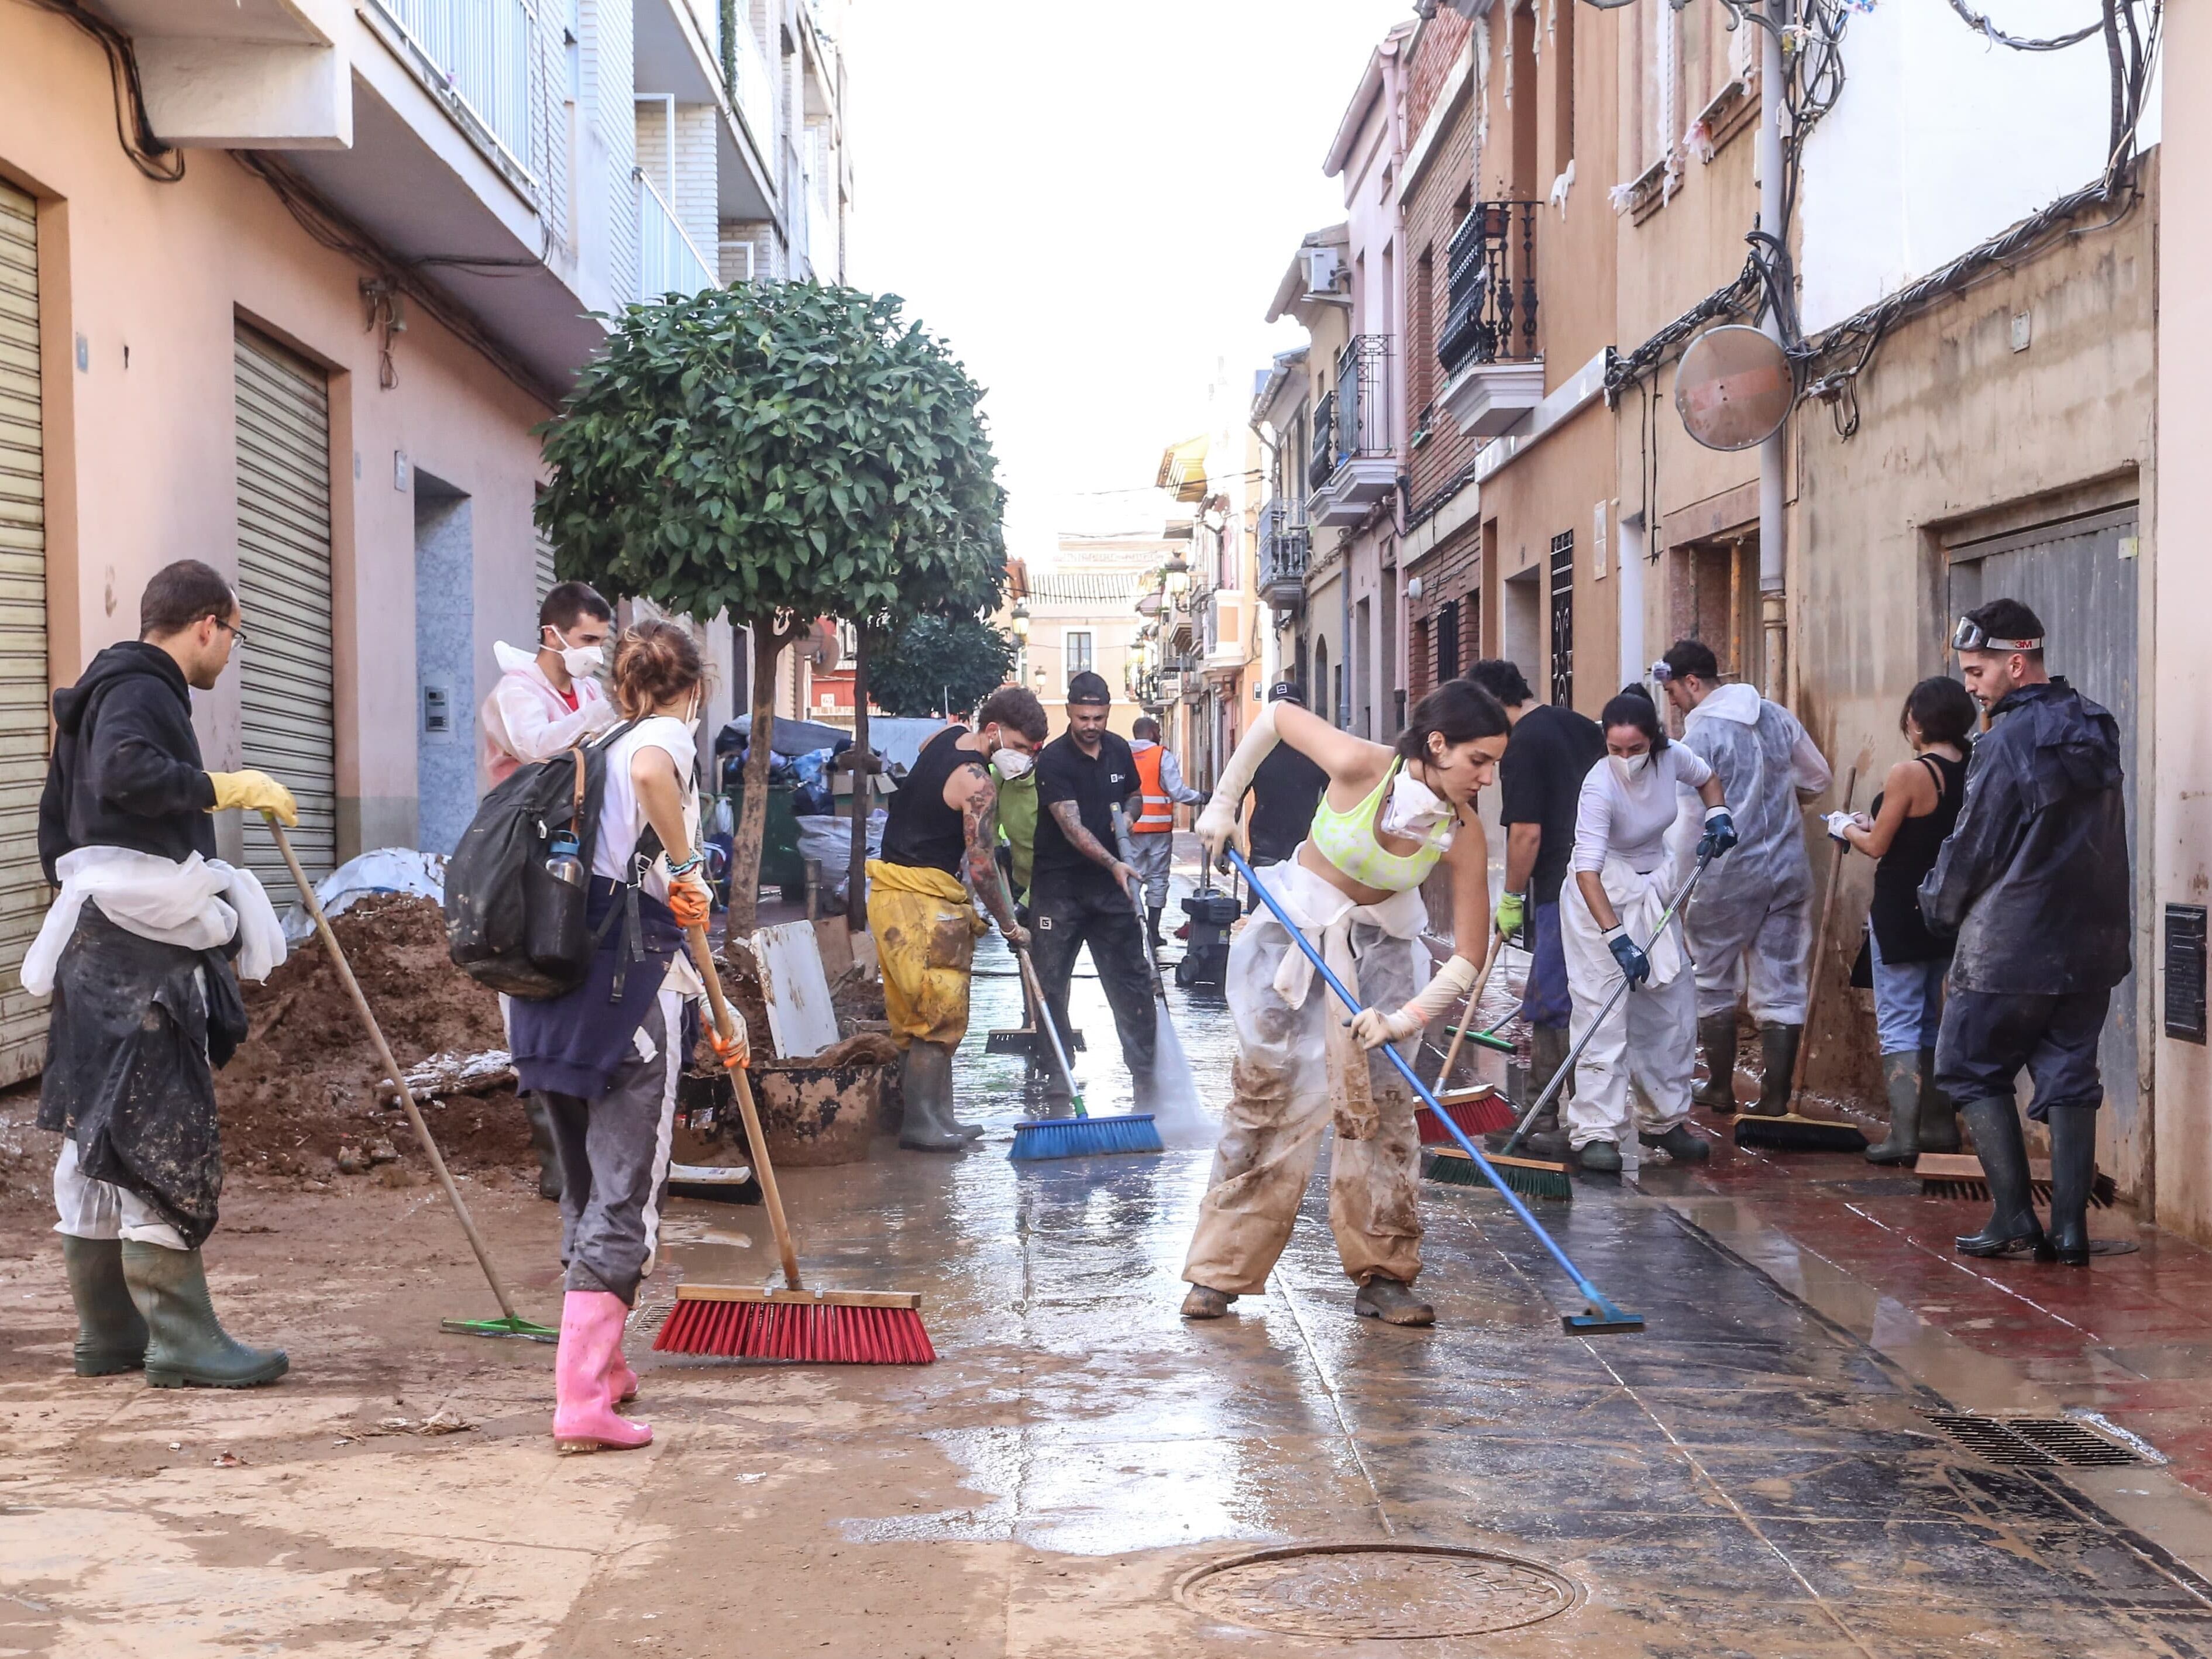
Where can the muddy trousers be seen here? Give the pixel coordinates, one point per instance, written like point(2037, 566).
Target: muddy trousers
point(614, 1159)
point(1069, 911)
point(1279, 1109)
point(102, 1210)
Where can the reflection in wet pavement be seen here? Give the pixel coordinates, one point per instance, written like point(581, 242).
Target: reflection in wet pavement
point(1743, 1478)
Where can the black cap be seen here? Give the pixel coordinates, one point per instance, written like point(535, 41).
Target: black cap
point(1088, 688)
point(1286, 691)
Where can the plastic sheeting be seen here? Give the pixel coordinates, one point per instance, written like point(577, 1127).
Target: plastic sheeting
point(386, 870)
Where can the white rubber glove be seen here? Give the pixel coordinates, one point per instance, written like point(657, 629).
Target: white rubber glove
point(1446, 989)
point(1372, 1028)
point(1217, 822)
point(599, 715)
point(1837, 823)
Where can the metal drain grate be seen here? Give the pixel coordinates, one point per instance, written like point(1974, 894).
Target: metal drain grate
point(1378, 1592)
point(2033, 1441)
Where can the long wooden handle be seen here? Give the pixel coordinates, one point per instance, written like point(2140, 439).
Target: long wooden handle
point(1821, 946)
point(391, 1065)
point(762, 1167)
point(1466, 1014)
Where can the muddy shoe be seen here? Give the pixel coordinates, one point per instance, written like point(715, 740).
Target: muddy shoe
point(1681, 1143)
point(1203, 1303)
point(1547, 1139)
point(1598, 1158)
point(541, 1144)
point(1716, 1036)
point(111, 1337)
point(186, 1345)
point(1392, 1304)
point(928, 1125)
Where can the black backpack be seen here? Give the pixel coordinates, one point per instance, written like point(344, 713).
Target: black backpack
point(508, 924)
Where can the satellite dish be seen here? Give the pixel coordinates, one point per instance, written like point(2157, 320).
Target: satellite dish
point(1734, 388)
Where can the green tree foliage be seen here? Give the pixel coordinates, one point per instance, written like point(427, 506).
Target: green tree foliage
point(780, 451)
point(939, 665)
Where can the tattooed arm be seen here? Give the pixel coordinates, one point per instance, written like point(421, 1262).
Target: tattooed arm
point(1064, 814)
point(970, 791)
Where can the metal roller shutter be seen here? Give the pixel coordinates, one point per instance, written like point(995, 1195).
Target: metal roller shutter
point(546, 580)
point(284, 588)
point(22, 633)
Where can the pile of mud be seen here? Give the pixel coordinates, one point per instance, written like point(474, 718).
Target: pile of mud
point(305, 1082)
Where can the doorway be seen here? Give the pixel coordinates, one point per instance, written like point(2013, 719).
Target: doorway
point(445, 665)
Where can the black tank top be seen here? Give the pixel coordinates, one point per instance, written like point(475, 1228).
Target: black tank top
point(919, 828)
point(1898, 926)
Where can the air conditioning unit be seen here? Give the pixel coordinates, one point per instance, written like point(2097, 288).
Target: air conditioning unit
point(1321, 269)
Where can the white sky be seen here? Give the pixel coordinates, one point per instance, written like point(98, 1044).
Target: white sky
point(1092, 204)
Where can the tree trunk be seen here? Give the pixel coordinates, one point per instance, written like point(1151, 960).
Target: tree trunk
point(856, 891)
point(752, 820)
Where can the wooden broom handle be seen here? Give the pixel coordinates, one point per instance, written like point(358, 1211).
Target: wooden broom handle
point(1820, 947)
point(762, 1167)
point(391, 1065)
point(1466, 1014)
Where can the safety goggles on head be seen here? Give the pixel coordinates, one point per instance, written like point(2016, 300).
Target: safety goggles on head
point(1661, 673)
point(1969, 635)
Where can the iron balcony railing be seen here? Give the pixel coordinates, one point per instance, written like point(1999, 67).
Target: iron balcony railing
point(1322, 461)
point(1284, 541)
point(1353, 420)
point(481, 50)
point(1490, 288)
point(668, 261)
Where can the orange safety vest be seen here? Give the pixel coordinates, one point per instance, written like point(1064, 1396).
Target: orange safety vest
point(1158, 815)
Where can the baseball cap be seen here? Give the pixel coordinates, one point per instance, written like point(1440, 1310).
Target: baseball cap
point(1286, 691)
point(1089, 688)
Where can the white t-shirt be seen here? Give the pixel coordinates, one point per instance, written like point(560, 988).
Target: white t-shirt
point(621, 823)
point(1631, 821)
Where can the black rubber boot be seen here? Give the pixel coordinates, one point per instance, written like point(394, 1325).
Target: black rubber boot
point(2012, 1229)
point(1152, 914)
point(1680, 1142)
point(1392, 1303)
point(1716, 1036)
point(541, 1143)
point(2073, 1167)
point(929, 1125)
point(1939, 1118)
point(187, 1346)
point(1777, 1053)
point(1900, 1077)
point(1600, 1157)
point(111, 1334)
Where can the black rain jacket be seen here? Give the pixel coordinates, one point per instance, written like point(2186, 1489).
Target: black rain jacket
point(126, 767)
point(2034, 879)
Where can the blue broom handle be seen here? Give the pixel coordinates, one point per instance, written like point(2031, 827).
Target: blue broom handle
point(1528, 1219)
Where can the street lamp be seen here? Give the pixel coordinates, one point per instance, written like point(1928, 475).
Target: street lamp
point(1020, 620)
point(1177, 579)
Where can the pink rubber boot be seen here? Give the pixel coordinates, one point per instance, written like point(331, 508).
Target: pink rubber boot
point(622, 1381)
point(584, 1418)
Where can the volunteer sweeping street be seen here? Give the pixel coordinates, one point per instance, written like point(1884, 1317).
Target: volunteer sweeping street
point(1079, 885)
point(1151, 830)
point(1913, 817)
point(138, 953)
point(2033, 882)
point(542, 705)
point(606, 1056)
point(943, 824)
point(1622, 875)
point(1389, 815)
point(1539, 786)
point(1752, 911)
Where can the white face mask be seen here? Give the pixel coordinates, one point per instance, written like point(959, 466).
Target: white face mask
point(582, 661)
point(1414, 809)
point(1628, 767)
point(1012, 763)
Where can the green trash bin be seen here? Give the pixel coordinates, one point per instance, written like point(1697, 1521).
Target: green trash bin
point(781, 867)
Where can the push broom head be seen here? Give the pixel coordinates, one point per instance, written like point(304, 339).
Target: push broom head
point(1040, 1138)
point(1531, 1178)
point(817, 1327)
point(1792, 1133)
point(1477, 1111)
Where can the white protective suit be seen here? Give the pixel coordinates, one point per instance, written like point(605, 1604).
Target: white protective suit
point(524, 720)
point(1647, 1045)
point(1755, 903)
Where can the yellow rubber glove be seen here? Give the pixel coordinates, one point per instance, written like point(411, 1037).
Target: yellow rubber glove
point(257, 791)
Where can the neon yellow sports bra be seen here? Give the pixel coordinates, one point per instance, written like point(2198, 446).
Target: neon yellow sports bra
point(1347, 840)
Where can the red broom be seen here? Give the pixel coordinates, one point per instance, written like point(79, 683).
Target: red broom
point(833, 1327)
point(1478, 1110)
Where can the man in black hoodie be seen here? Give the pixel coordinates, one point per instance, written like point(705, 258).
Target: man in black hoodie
point(2034, 882)
point(136, 1022)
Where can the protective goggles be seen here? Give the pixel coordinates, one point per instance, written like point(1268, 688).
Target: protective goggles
point(1661, 673)
point(1969, 636)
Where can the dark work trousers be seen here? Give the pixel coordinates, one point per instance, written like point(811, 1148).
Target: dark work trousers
point(1069, 909)
point(1988, 1037)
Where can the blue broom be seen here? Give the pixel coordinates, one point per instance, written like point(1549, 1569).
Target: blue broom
point(1600, 1316)
point(1083, 1135)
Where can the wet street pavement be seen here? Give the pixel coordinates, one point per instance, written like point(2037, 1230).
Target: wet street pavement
point(1756, 1473)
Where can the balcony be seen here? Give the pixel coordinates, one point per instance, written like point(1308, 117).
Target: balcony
point(1354, 465)
point(1493, 370)
point(1283, 540)
point(480, 55)
point(668, 261)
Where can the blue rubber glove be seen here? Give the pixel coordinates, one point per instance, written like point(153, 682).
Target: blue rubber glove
point(1720, 833)
point(1634, 966)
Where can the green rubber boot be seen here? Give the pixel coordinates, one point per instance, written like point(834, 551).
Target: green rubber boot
point(111, 1337)
point(187, 1348)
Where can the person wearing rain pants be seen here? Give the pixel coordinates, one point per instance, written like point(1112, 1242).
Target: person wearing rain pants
point(1388, 816)
point(1751, 912)
point(943, 824)
point(1608, 926)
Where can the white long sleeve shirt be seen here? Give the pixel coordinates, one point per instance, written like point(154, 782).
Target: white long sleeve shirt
point(1630, 821)
point(524, 720)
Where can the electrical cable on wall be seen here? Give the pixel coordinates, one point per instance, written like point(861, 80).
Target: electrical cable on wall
point(134, 129)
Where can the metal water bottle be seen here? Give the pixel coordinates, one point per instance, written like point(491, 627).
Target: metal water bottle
point(557, 938)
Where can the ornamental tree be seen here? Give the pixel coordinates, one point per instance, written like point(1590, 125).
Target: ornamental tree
point(940, 665)
point(780, 451)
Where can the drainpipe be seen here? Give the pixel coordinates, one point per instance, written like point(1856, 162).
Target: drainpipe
point(1772, 566)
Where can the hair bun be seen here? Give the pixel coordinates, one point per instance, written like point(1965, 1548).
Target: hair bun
point(654, 662)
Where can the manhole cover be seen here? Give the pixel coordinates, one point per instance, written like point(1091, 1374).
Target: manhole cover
point(1378, 1592)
